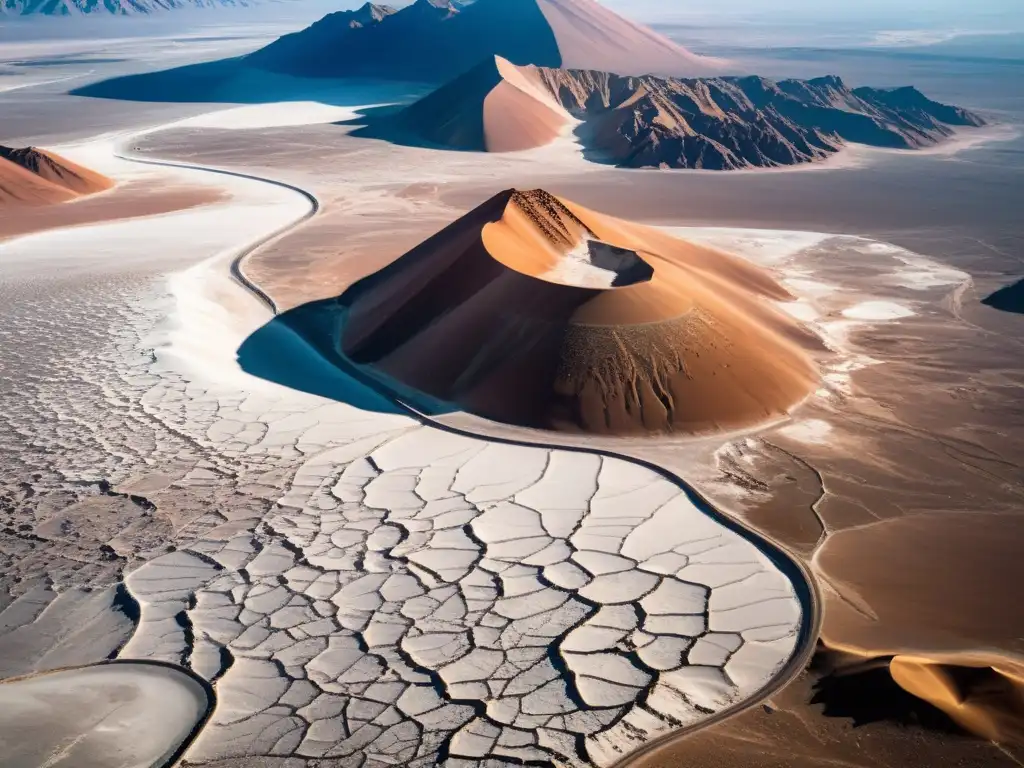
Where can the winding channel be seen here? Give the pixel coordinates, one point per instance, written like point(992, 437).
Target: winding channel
point(804, 583)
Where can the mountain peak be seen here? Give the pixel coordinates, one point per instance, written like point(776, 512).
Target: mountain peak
point(829, 81)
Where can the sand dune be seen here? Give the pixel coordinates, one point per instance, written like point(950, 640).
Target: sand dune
point(983, 696)
point(591, 36)
point(433, 41)
point(495, 107)
point(33, 176)
point(534, 311)
point(979, 692)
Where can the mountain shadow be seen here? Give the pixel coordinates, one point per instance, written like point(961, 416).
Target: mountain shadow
point(297, 349)
point(233, 81)
point(1008, 299)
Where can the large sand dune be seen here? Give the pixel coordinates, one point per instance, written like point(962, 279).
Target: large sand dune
point(433, 41)
point(534, 311)
point(33, 176)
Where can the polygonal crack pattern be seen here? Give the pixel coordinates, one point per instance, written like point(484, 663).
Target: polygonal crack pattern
point(360, 589)
point(446, 599)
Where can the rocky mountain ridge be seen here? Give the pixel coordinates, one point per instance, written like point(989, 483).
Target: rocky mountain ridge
point(721, 123)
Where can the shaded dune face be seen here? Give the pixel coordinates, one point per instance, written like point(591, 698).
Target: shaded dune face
point(495, 107)
point(536, 312)
point(423, 42)
point(432, 41)
point(987, 700)
point(33, 176)
point(980, 694)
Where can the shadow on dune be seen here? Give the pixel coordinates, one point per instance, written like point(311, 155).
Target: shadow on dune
point(977, 696)
point(233, 81)
point(866, 693)
point(298, 349)
point(1008, 299)
point(389, 124)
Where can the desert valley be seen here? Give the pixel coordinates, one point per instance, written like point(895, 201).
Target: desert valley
point(507, 382)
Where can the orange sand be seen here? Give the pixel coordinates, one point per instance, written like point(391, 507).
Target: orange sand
point(473, 317)
point(34, 177)
point(591, 36)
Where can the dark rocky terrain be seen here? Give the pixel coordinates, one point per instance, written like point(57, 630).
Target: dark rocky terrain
point(720, 123)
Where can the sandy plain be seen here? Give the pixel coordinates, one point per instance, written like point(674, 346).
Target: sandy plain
point(240, 472)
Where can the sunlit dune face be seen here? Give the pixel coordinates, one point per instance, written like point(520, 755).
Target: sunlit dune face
point(540, 237)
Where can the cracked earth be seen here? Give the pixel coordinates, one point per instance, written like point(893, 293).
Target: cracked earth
point(358, 588)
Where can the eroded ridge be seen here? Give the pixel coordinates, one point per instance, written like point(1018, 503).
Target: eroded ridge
point(442, 598)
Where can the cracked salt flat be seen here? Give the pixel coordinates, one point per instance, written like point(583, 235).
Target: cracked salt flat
point(432, 641)
point(365, 589)
point(421, 597)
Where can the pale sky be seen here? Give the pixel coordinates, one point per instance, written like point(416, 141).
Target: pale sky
point(908, 13)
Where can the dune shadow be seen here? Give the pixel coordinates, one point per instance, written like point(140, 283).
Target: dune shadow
point(234, 81)
point(866, 693)
point(390, 124)
point(1007, 299)
point(298, 349)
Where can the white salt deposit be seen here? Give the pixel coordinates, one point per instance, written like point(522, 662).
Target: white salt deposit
point(131, 715)
point(801, 310)
point(274, 115)
point(762, 246)
point(877, 311)
point(813, 431)
point(596, 264)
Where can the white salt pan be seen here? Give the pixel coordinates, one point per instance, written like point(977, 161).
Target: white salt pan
point(877, 310)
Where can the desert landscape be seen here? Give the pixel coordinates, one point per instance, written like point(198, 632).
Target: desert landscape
point(515, 382)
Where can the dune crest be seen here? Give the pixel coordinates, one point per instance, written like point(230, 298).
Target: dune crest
point(436, 40)
point(979, 692)
point(33, 176)
point(983, 696)
point(533, 311)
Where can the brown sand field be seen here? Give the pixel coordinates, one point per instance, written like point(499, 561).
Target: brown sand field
point(681, 338)
point(128, 201)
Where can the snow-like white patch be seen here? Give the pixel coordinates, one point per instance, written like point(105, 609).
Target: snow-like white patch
point(804, 286)
point(275, 115)
point(762, 246)
point(808, 431)
point(596, 264)
point(921, 274)
point(801, 310)
point(877, 310)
